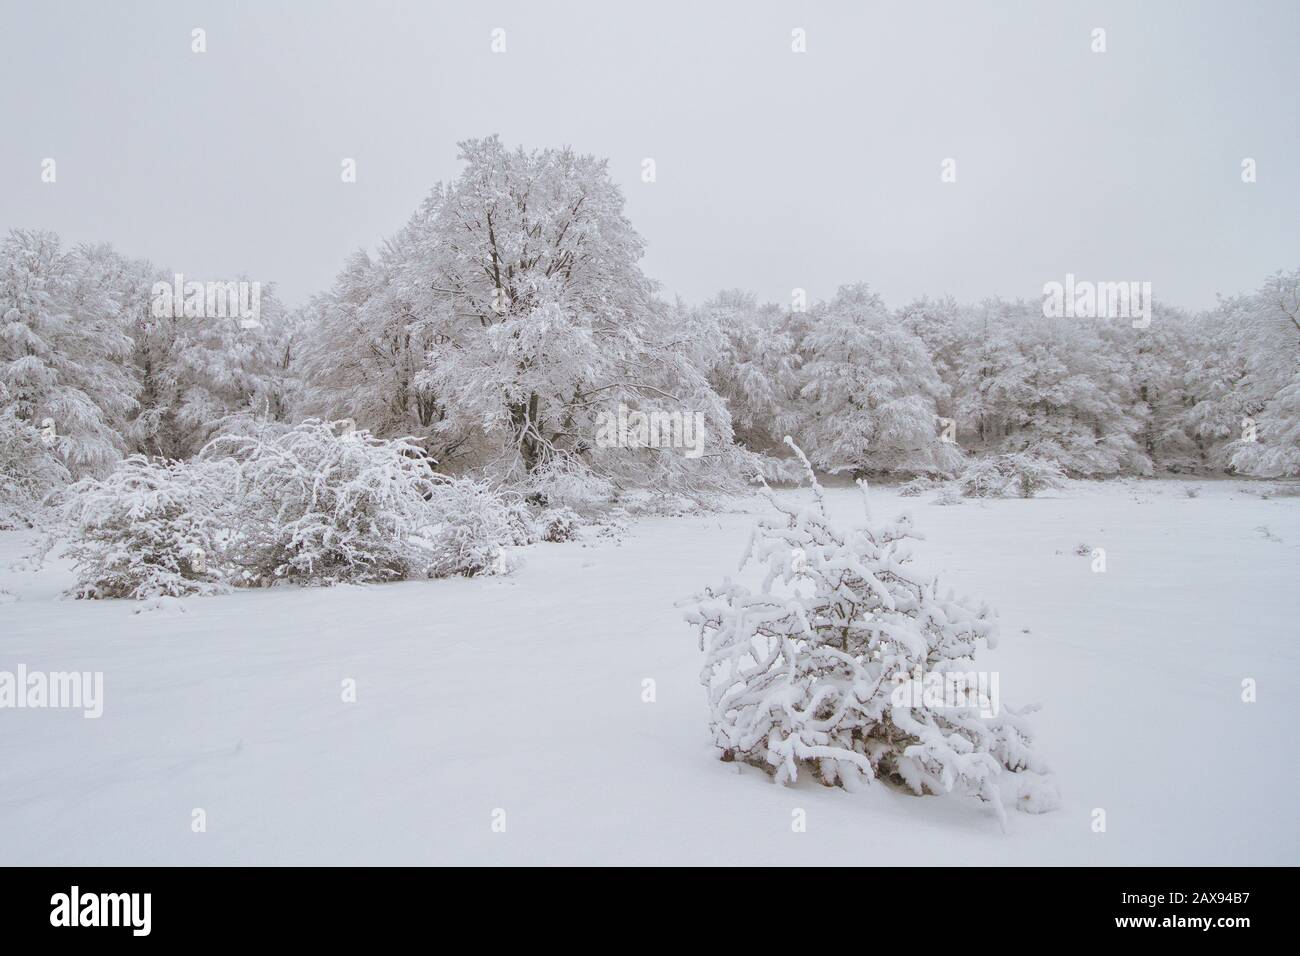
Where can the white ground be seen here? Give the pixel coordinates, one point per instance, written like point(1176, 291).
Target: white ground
point(525, 694)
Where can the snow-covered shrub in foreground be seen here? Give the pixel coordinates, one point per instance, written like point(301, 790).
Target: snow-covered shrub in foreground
point(1018, 473)
point(149, 529)
point(806, 672)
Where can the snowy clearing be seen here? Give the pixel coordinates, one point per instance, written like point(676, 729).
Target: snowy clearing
point(525, 694)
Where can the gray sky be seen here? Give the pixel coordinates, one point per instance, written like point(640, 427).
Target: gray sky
point(774, 169)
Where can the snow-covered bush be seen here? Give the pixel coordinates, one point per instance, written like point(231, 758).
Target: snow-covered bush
point(946, 497)
point(523, 527)
point(983, 478)
point(308, 505)
point(916, 487)
point(1030, 474)
point(559, 524)
point(613, 525)
point(806, 672)
point(320, 505)
point(151, 528)
point(1017, 473)
point(474, 526)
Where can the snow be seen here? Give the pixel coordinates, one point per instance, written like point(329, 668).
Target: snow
point(524, 693)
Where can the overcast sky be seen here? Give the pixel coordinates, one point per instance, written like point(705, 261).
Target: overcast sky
point(775, 170)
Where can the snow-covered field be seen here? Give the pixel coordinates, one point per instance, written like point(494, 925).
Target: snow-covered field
point(525, 694)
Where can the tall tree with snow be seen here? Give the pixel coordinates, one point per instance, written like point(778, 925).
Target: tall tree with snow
point(753, 365)
point(1052, 387)
point(868, 391)
point(1267, 327)
point(508, 318)
point(64, 357)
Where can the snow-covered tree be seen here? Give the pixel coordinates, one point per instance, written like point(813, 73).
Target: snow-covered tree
point(814, 669)
point(752, 363)
point(868, 391)
point(29, 469)
point(533, 267)
point(227, 376)
point(1162, 368)
point(940, 325)
point(506, 320)
point(63, 354)
point(365, 342)
point(1214, 407)
point(151, 428)
point(1275, 452)
point(1047, 386)
point(1267, 327)
point(85, 352)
